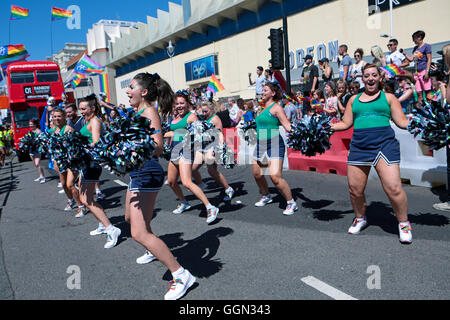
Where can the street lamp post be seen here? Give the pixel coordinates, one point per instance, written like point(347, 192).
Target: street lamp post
point(171, 53)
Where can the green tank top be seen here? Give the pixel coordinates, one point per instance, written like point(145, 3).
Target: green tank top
point(61, 132)
point(85, 132)
point(267, 125)
point(209, 120)
point(372, 114)
point(178, 128)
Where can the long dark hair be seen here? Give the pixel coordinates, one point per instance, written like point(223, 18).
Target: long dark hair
point(158, 90)
point(93, 102)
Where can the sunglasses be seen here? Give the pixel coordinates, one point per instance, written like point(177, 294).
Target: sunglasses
point(390, 45)
point(357, 55)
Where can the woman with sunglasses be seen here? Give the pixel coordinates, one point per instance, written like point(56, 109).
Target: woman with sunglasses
point(356, 69)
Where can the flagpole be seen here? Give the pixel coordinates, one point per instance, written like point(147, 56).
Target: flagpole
point(51, 38)
point(9, 37)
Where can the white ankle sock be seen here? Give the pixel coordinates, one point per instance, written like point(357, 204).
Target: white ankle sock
point(178, 273)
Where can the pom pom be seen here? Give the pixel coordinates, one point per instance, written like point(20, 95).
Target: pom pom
point(225, 156)
point(249, 130)
point(126, 145)
point(199, 135)
point(432, 124)
point(311, 137)
point(167, 151)
point(29, 143)
point(69, 150)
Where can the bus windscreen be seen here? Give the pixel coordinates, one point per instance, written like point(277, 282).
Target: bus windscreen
point(22, 118)
point(22, 77)
point(47, 76)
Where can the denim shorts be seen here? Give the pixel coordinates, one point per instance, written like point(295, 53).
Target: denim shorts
point(150, 178)
point(179, 152)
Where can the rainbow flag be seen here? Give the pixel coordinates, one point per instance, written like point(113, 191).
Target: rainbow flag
point(12, 53)
point(104, 85)
point(87, 66)
point(18, 13)
point(58, 14)
point(392, 70)
point(214, 85)
point(77, 80)
point(316, 104)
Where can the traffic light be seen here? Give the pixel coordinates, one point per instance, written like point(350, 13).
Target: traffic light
point(277, 49)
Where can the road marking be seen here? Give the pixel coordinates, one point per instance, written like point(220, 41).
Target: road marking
point(326, 289)
point(121, 183)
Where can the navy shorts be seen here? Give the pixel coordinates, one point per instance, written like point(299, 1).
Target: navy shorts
point(150, 178)
point(267, 150)
point(370, 145)
point(91, 174)
point(179, 152)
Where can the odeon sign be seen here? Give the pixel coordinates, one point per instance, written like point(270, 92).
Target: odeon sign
point(318, 52)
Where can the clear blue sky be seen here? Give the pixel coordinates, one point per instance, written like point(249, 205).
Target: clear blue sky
point(34, 31)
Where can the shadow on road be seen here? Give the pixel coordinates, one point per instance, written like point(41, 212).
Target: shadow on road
point(197, 255)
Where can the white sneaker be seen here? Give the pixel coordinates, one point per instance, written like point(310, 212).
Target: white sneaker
point(146, 258)
point(59, 185)
point(357, 226)
point(69, 206)
point(42, 181)
point(290, 209)
point(99, 196)
point(263, 201)
point(112, 238)
point(61, 191)
point(179, 286)
point(82, 211)
point(444, 206)
point(212, 215)
point(203, 186)
point(404, 232)
point(100, 230)
point(38, 179)
point(183, 206)
point(229, 194)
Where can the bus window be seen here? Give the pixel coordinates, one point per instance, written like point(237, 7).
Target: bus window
point(22, 118)
point(22, 77)
point(47, 76)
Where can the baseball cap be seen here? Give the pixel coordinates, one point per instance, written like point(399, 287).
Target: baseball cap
point(324, 60)
point(308, 57)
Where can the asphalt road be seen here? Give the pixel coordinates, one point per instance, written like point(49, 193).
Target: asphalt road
point(248, 253)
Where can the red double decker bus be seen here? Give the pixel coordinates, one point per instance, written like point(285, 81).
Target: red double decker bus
point(30, 84)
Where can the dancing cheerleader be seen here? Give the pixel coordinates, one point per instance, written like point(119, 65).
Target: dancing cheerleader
point(68, 177)
point(374, 144)
point(181, 161)
point(35, 154)
point(207, 109)
point(270, 148)
point(89, 176)
point(146, 182)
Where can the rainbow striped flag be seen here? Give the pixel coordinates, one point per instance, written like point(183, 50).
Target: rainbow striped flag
point(104, 85)
point(392, 70)
point(77, 80)
point(12, 53)
point(58, 14)
point(18, 13)
point(214, 85)
point(88, 66)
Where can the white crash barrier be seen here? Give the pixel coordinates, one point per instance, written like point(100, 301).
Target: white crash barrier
point(418, 165)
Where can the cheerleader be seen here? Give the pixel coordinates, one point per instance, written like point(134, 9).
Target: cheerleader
point(181, 161)
point(374, 144)
point(68, 177)
point(146, 182)
point(208, 111)
point(270, 148)
point(34, 154)
point(90, 110)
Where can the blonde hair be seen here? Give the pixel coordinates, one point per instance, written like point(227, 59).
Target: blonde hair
point(210, 105)
point(446, 51)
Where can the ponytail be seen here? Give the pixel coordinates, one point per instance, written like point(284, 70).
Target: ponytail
point(158, 90)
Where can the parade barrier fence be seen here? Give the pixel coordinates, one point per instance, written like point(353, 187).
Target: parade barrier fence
point(418, 165)
point(333, 160)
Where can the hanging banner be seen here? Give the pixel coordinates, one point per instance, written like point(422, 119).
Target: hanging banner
point(383, 5)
